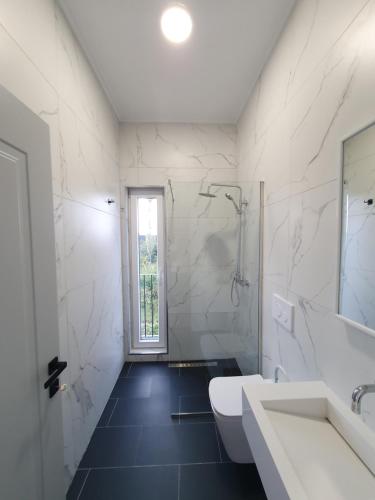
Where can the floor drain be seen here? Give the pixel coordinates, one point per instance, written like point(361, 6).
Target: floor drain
point(192, 364)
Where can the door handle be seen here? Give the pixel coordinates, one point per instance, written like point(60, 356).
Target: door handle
point(55, 368)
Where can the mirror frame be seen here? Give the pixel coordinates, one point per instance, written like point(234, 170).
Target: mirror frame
point(340, 177)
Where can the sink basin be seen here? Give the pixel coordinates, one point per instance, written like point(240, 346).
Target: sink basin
point(307, 444)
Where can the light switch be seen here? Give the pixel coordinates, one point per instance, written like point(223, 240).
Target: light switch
point(283, 312)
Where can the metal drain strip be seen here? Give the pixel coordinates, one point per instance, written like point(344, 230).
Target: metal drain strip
point(190, 414)
point(192, 364)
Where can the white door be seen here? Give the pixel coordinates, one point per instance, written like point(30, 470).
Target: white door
point(147, 250)
point(31, 443)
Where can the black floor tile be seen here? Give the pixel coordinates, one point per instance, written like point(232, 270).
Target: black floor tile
point(179, 386)
point(191, 404)
point(125, 369)
point(76, 486)
point(220, 482)
point(148, 411)
point(132, 387)
point(136, 429)
point(231, 368)
point(207, 371)
point(134, 483)
point(223, 453)
point(112, 447)
point(190, 385)
point(232, 372)
point(178, 444)
point(107, 412)
point(151, 369)
point(195, 403)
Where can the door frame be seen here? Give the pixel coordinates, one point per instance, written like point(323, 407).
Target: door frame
point(21, 129)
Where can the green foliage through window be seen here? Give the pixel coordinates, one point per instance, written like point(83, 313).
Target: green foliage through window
point(148, 287)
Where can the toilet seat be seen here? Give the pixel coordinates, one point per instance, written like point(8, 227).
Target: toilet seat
point(226, 396)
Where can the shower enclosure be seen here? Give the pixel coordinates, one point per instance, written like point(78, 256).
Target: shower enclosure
point(239, 206)
point(213, 264)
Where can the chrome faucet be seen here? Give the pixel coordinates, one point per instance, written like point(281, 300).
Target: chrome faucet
point(358, 394)
point(277, 371)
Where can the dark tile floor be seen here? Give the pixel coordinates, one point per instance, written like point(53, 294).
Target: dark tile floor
point(138, 452)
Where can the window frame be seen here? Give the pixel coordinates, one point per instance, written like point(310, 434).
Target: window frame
point(136, 344)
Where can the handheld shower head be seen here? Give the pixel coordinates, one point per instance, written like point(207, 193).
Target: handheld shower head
point(230, 198)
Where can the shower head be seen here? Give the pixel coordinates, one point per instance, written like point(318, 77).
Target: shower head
point(207, 194)
point(238, 207)
point(230, 198)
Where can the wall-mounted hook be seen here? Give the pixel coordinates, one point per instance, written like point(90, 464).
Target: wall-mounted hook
point(110, 201)
point(369, 202)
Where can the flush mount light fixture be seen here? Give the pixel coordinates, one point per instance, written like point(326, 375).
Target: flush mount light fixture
point(176, 23)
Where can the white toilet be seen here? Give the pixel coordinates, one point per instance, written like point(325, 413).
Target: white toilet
point(226, 402)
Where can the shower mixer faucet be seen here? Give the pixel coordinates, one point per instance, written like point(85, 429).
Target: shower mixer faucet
point(241, 281)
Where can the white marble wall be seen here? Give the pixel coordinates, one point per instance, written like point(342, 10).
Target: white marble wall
point(357, 284)
point(42, 64)
point(316, 90)
point(153, 153)
point(202, 233)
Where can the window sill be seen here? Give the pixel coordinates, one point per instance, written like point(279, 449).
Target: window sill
point(150, 351)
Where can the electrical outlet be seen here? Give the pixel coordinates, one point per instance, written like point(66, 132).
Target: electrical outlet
point(283, 312)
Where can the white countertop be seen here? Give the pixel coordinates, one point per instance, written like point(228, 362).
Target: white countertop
point(307, 444)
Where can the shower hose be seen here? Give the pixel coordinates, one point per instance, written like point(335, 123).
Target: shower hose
point(234, 293)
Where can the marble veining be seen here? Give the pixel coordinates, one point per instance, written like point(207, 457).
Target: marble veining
point(201, 237)
point(43, 65)
point(178, 146)
point(315, 91)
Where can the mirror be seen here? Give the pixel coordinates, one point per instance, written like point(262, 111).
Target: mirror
point(357, 268)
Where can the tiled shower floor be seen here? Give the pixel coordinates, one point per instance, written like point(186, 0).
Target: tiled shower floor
point(138, 452)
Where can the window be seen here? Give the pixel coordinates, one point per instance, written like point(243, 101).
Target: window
point(147, 248)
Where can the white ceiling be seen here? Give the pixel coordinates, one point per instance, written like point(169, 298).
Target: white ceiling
point(206, 80)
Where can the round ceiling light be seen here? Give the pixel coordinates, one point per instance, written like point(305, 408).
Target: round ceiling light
point(176, 24)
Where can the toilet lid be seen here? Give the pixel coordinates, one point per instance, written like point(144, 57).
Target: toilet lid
point(226, 395)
